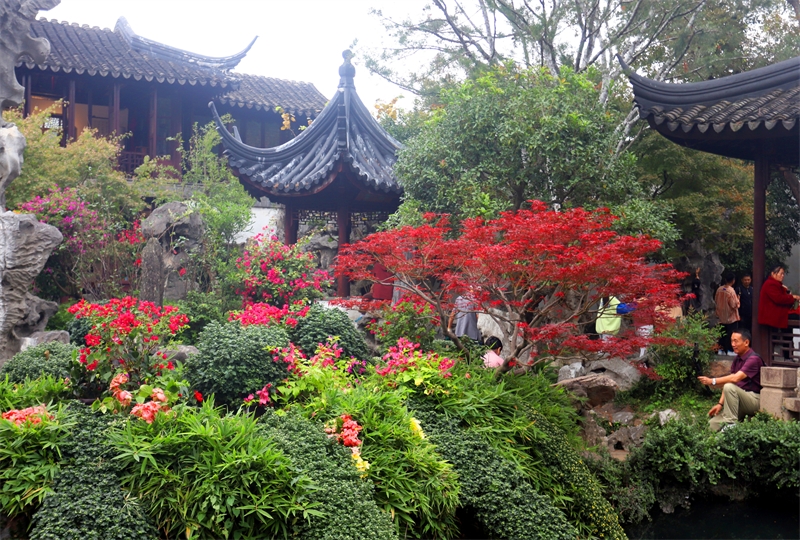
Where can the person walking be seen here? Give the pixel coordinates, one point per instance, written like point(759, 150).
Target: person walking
point(744, 290)
point(727, 311)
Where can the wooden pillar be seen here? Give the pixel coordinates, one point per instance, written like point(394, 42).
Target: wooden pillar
point(343, 223)
point(27, 108)
point(114, 113)
point(290, 226)
point(176, 126)
point(153, 123)
point(71, 127)
point(89, 105)
point(761, 181)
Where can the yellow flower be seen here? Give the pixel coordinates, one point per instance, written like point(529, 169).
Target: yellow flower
point(416, 429)
point(361, 464)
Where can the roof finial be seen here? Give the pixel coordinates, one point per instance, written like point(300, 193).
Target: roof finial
point(347, 71)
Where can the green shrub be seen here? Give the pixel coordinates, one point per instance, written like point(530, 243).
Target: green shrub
point(322, 322)
point(678, 364)
point(346, 501)
point(233, 360)
point(493, 490)
point(202, 309)
point(46, 389)
point(78, 328)
point(29, 460)
point(87, 501)
point(414, 321)
point(45, 359)
point(631, 497)
point(211, 476)
point(61, 319)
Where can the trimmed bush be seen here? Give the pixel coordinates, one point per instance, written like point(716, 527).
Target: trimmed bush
point(233, 360)
point(87, 501)
point(492, 489)
point(346, 501)
point(321, 323)
point(31, 393)
point(45, 359)
point(78, 328)
point(202, 309)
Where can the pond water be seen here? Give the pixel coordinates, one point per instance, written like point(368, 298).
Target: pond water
point(777, 518)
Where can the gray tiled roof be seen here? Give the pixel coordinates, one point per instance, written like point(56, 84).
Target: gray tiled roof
point(96, 51)
point(344, 133)
point(299, 98)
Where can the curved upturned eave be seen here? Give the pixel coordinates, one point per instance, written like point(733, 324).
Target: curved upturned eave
point(651, 93)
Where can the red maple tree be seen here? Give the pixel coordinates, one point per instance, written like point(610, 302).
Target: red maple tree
point(538, 273)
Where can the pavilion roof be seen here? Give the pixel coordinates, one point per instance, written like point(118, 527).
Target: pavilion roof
point(343, 135)
point(741, 116)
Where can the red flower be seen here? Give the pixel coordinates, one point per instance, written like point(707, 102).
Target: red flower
point(137, 262)
point(92, 366)
point(198, 396)
point(182, 272)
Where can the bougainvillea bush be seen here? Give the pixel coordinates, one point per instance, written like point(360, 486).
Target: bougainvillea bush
point(272, 272)
point(538, 273)
point(126, 336)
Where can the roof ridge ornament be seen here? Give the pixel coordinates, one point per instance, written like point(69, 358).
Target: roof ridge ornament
point(347, 70)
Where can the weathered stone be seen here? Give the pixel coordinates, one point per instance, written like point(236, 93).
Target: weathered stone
point(772, 402)
point(666, 415)
point(12, 146)
point(151, 285)
point(598, 389)
point(571, 371)
point(179, 230)
point(623, 417)
point(591, 432)
point(719, 368)
point(792, 404)
point(37, 338)
point(180, 353)
point(779, 377)
point(637, 434)
point(25, 245)
point(621, 371)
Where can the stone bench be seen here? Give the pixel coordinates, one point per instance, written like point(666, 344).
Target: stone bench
point(779, 393)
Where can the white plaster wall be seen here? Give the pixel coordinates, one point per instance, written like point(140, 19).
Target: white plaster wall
point(265, 220)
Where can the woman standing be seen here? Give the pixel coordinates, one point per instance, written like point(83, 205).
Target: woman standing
point(727, 311)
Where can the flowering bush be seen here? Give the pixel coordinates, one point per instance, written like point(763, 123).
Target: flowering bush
point(414, 319)
point(126, 335)
point(265, 314)
point(31, 415)
point(406, 362)
point(91, 258)
point(345, 430)
point(277, 274)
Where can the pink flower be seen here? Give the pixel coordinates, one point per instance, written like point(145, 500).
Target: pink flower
point(158, 395)
point(124, 398)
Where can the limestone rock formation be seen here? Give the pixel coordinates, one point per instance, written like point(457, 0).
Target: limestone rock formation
point(623, 373)
point(174, 231)
point(37, 338)
point(25, 245)
point(598, 389)
point(12, 145)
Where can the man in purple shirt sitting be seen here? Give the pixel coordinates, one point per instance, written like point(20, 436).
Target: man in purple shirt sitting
point(742, 388)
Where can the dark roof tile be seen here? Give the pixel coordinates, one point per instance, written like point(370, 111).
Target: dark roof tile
point(298, 98)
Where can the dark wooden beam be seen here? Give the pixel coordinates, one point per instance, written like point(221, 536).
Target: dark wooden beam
point(27, 107)
point(115, 124)
point(89, 106)
point(762, 177)
point(343, 223)
point(290, 225)
point(176, 126)
point(153, 123)
point(71, 127)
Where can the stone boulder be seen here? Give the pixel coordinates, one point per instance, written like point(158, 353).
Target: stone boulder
point(178, 230)
point(180, 353)
point(25, 245)
point(623, 373)
point(597, 389)
point(37, 338)
point(627, 438)
point(571, 371)
point(591, 432)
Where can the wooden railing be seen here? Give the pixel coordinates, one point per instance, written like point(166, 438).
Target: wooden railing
point(784, 345)
point(128, 161)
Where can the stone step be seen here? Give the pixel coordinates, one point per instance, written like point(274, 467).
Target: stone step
point(779, 377)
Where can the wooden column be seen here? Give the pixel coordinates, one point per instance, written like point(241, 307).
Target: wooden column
point(343, 222)
point(176, 126)
point(89, 105)
point(114, 113)
point(290, 226)
point(27, 108)
point(760, 333)
point(153, 123)
point(71, 127)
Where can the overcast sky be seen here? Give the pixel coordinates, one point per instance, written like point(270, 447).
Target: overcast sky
point(299, 40)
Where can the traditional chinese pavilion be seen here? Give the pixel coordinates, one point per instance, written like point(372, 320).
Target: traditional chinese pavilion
point(341, 166)
point(752, 116)
point(120, 82)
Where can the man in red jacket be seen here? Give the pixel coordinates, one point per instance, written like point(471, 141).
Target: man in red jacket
point(775, 300)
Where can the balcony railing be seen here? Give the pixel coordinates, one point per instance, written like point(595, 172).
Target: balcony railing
point(128, 161)
point(784, 345)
